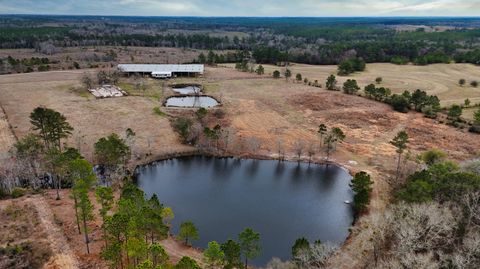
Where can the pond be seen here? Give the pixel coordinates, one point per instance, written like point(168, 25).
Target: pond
point(281, 200)
point(191, 101)
point(187, 89)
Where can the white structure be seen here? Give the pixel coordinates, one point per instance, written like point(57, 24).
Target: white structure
point(106, 91)
point(163, 70)
point(157, 74)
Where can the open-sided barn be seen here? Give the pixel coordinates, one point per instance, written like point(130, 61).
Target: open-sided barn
point(163, 70)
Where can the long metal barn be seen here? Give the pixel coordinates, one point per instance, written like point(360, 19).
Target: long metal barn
point(162, 70)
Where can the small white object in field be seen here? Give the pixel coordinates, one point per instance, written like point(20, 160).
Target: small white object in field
point(347, 202)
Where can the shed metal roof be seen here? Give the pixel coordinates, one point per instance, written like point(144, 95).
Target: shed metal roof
point(150, 68)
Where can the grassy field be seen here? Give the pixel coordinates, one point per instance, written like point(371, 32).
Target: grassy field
point(92, 118)
point(438, 79)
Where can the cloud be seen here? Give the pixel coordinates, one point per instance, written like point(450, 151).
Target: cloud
point(428, 6)
point(245, 7)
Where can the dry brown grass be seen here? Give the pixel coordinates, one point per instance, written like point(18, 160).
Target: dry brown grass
point(256, 106)
point(469, 112)
point(268, 107)
point(23, 241)
point(259, 107)
point(91, 118)
point(438, 79)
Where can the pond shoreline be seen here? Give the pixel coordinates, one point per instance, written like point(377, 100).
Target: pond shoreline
point(164, 104)
point(197, 152)
point(288, 160)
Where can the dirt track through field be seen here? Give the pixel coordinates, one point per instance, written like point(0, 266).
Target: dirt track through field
point(7, 138)
point(63, 257)
point(176, 250)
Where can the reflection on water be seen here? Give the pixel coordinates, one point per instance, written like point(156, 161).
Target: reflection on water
point(187, 90)
point(280, 200)
point(279, 168)
point(192, 101)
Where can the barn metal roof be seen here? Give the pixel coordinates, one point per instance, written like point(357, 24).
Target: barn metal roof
point(150, 68)
point(161, 73)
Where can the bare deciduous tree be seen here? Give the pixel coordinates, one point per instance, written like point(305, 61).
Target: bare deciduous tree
point(472, 166)
point(149, 144)
point(412, 221)
point(87, 81)
point(298, 147)
point(140, 86)
point(280, 149)
point(413, 235)
point(468, 256)
point(321, 252)
point(276, 263)
point(315, 256)
point(47, 47)
point(411, 260)
point(311, 150)
point(228, 138)
point(471, 202)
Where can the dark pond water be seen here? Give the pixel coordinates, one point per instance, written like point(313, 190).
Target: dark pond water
point(191, 101)
point(281, 200)
point(187, 90)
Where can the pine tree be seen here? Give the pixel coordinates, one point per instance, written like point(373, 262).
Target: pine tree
point(104, 197)
point(361, 186)
point(85, 207)
point(400, 141)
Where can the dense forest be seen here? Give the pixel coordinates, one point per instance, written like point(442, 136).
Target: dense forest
point(270, 40)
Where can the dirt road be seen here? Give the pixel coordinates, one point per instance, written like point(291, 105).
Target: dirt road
point(176, 250)
point(7, 138)
point(63, 257)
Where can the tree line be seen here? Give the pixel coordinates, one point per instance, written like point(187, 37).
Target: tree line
point(269, 42)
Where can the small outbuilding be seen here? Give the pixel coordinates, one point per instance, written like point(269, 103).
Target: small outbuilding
point(162, 70)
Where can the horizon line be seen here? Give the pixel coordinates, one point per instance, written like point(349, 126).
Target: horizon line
point(198, 16)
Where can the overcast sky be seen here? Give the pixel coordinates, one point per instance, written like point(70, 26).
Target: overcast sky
point(245, 7)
